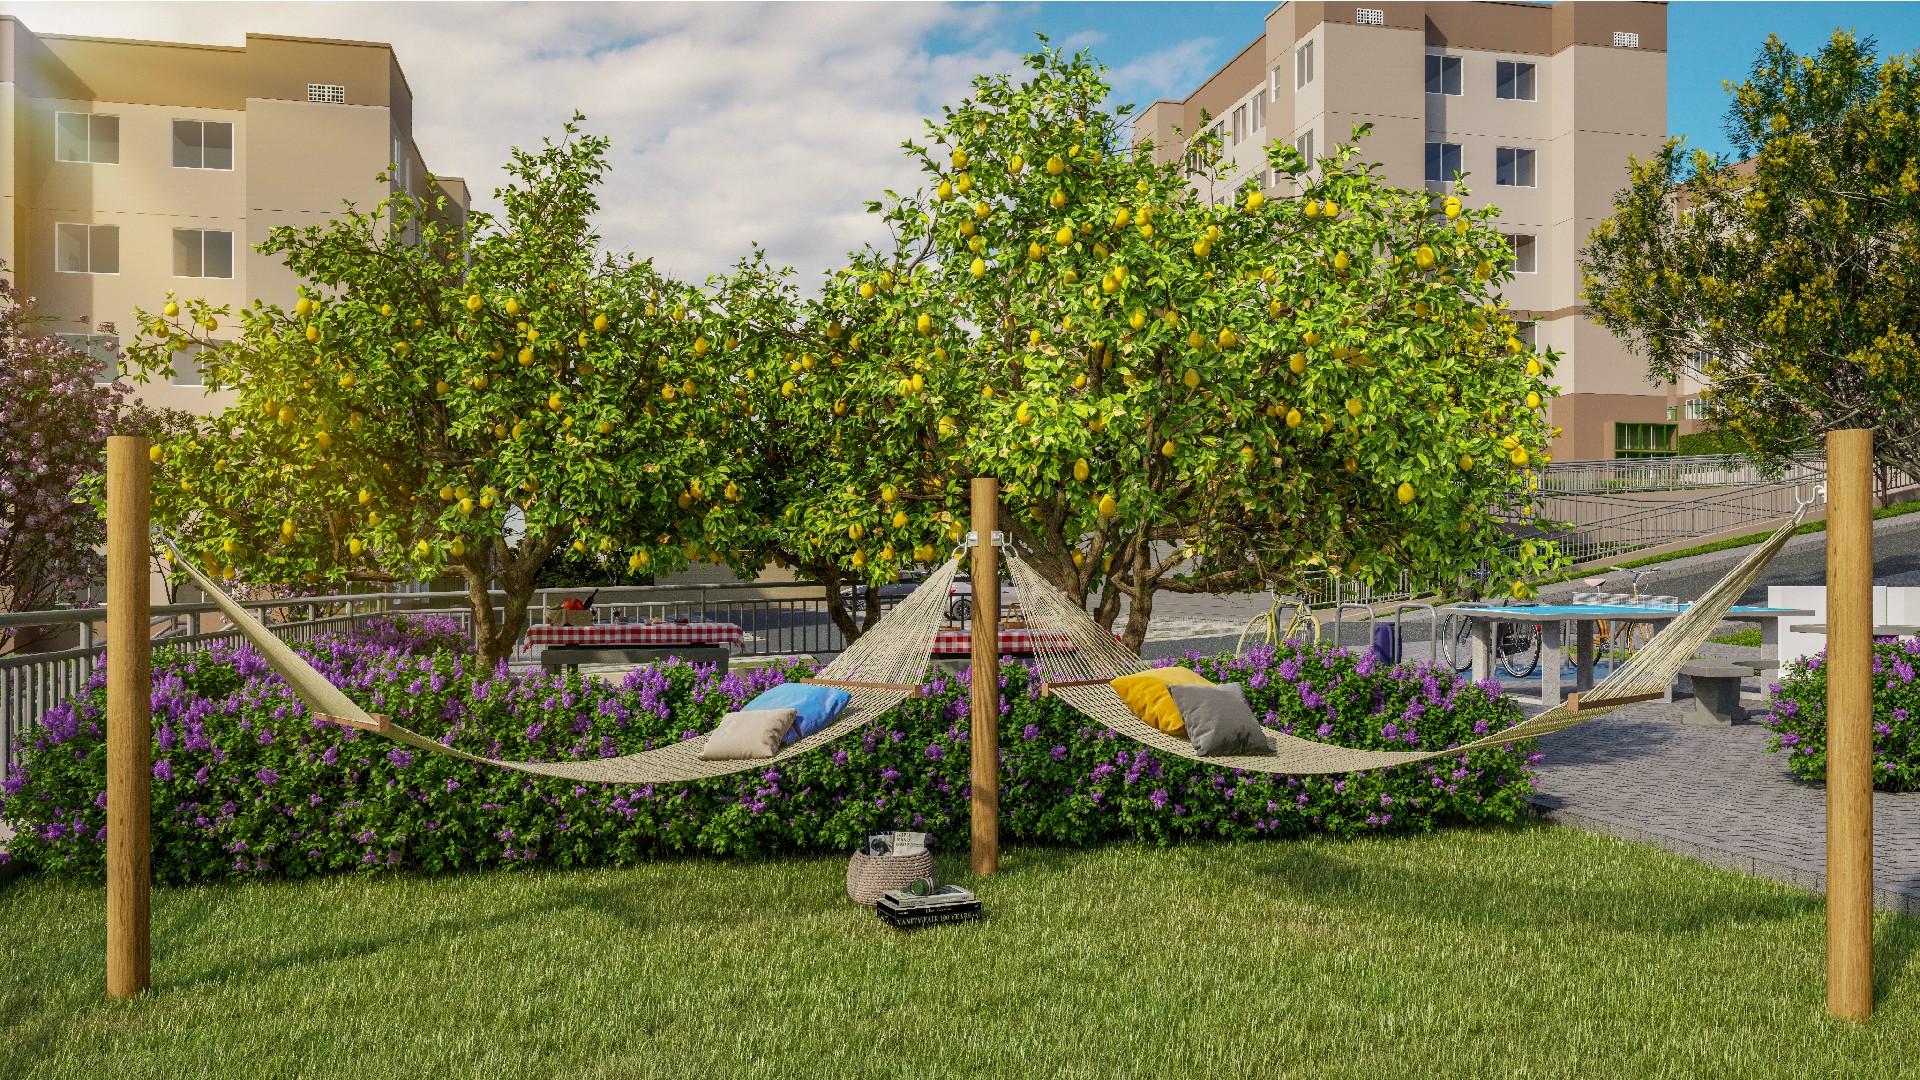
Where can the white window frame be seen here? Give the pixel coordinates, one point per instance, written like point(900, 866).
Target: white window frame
point(93, 119)
point(202, 146)
point(205, 237)
point(1447, 63)
point(327, 93)
point(1509, 158)
point(91, 344)
point(1259, 112)
point(1303, 65)
point(1694, 408)
point(1273, 82)
point(61, 240)
point(1304, 143)
point(1512, 70)
point(184, 361)
point(1239, 124)
point(1367, 16)
point(1623, 39)
point(1446, 175)
point(1532, 262)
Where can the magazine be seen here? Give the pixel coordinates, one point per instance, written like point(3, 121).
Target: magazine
point(893, 842)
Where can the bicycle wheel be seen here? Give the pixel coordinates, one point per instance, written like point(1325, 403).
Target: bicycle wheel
point(1457, 639)
point(1519, 649)
point(1261, 629)
point(1303, 628)
point(1632, 636)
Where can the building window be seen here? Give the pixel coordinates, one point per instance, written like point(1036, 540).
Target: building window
point(1367, 16)
point(86, 138)
point(1643, 440)
point(1624, 40)
point(104, 350)
point(1443, 75)
point(1304, 144)
point(1259, 112)
point(1443, 162)
point(327, 92)
point(1696, 408)
point(1528, 332)
point(202, 253)
point(86, 249)
point(202, 144)
point(1303, 65)
point(186, 367)
point(1512, 167)
point(1513, 81)
point(1239, 125)
point(1526, 259)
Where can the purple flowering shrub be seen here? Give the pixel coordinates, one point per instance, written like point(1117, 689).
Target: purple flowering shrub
point(1798, 716)
point(245, 785)
point(415, 635)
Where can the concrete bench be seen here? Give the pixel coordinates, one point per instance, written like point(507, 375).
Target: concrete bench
point(570, 657)
point(1716, 689)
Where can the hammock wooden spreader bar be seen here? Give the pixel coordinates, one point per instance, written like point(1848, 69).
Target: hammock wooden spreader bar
point(878, 671)
point(1088, 657)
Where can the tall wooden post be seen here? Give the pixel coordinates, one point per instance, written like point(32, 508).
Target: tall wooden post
point(1850, 724)
point(985, 736)
point(129, 718)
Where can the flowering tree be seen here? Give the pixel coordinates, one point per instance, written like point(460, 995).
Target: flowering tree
point(1174, 395)
point(1785, 282)
point(445, 400)
point(54, 420)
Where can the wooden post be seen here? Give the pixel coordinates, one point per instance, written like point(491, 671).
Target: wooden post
point(129, 718)
point(985, 736)
point(1850, 724)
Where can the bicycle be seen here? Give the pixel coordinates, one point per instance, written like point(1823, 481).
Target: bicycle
point(1628, 635)
point(1265, 628)
point(1517, 646)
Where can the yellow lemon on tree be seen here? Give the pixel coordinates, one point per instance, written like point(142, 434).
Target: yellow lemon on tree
point(1519, 456)
point(1311, 338)
point(172, 309)
point(303, 308)
point(1255, 200)
point(1023, 414)
point(1424, 257)
point(355, 547)
point(1080, 470)
point(978, 269)
point(1355, 406)
point(1533, 399)
point(474, 303)
point(1107, 506)
point(325, 440)
point(1297, 363)
point(888, 493)
point(1191, 379)
point(1311, 209)
point(1466, 461)
point(1293, 418)
point(1533, 367)
point(1168, 448)
point(899, 519)
point(923, 323)
point(1341, 261)
point(513, 306)
point(1056, 165)
point(313, 333)
point(1452, 207)
point(1405, 492)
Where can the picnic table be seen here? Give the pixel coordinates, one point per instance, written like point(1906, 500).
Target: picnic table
point(953, 641)
point(635, 642)
point(1549, 618)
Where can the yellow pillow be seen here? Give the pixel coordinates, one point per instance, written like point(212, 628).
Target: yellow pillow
point(1146, 694)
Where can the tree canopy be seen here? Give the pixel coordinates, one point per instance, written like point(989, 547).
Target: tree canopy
point(1786, 280)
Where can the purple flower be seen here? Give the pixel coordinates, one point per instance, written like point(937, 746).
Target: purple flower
point(267, 778)
point(163, 770)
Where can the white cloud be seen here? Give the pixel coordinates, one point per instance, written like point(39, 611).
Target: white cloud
point(731, 123)
point(1172, 72)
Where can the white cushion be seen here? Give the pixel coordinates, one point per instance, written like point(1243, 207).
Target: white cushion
point(754, 733)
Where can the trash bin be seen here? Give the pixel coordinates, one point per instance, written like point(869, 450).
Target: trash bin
point(1386, 644)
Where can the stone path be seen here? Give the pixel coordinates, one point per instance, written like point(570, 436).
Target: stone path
point(1715, 795)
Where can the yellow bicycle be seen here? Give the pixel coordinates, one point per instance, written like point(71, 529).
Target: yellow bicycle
point(1267, 628)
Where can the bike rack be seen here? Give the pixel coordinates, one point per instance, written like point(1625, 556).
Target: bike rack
point(1433, 622)
point(1340, 620)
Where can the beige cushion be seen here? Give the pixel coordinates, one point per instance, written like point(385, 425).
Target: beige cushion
point(755, 733)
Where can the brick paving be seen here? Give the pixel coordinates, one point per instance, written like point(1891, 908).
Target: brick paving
point(1715, 795)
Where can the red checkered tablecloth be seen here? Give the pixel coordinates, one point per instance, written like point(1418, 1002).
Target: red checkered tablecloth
point(692, 633)
point(955, 640)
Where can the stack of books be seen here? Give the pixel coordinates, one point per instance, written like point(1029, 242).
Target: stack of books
point(946, 904)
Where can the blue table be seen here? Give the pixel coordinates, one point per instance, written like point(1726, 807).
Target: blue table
point(1552, 617)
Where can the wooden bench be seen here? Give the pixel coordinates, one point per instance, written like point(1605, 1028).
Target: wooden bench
point(1716, 689)
point(570, 657)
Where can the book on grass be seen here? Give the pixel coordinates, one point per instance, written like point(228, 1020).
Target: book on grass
point(942, 896)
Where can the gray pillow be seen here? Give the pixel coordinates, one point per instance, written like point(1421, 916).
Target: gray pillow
point(755, 733)
point(1218, 720)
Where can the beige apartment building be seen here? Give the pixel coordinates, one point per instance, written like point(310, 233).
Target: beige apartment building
point(138, 167)
point(1541, 105)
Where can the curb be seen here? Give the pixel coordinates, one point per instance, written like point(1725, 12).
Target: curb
point(1902, 903)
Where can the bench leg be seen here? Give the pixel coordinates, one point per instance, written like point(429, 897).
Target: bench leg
point(1716, 702)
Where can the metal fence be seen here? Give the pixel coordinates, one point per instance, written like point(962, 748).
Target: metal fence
point(1677, 473)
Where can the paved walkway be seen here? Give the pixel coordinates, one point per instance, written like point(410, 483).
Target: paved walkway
point(1716, 795)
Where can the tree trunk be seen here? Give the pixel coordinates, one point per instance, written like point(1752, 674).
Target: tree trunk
point(873, 610)
point(1139, 613)
point(486, 632)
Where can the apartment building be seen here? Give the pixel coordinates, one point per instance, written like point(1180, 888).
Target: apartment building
point(1540, 106)
point(138, 167)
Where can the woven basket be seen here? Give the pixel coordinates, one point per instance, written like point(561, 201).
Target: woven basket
point(871, 876)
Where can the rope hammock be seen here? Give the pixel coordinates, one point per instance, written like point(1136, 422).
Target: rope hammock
point(878, 671)
point(1079, 659)
point(1080, 669)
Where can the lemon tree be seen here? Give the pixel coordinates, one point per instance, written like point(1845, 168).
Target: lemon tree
point(466, 401)
point(1786, 285)
point(1179, 395)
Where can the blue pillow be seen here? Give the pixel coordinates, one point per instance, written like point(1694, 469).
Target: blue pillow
point(814, 707)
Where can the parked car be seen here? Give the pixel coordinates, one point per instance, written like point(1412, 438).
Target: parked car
point(960, 597)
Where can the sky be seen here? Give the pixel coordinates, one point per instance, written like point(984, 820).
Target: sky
point(735, 124)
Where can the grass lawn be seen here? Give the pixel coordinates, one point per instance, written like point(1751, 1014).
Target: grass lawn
point(1531, 952)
